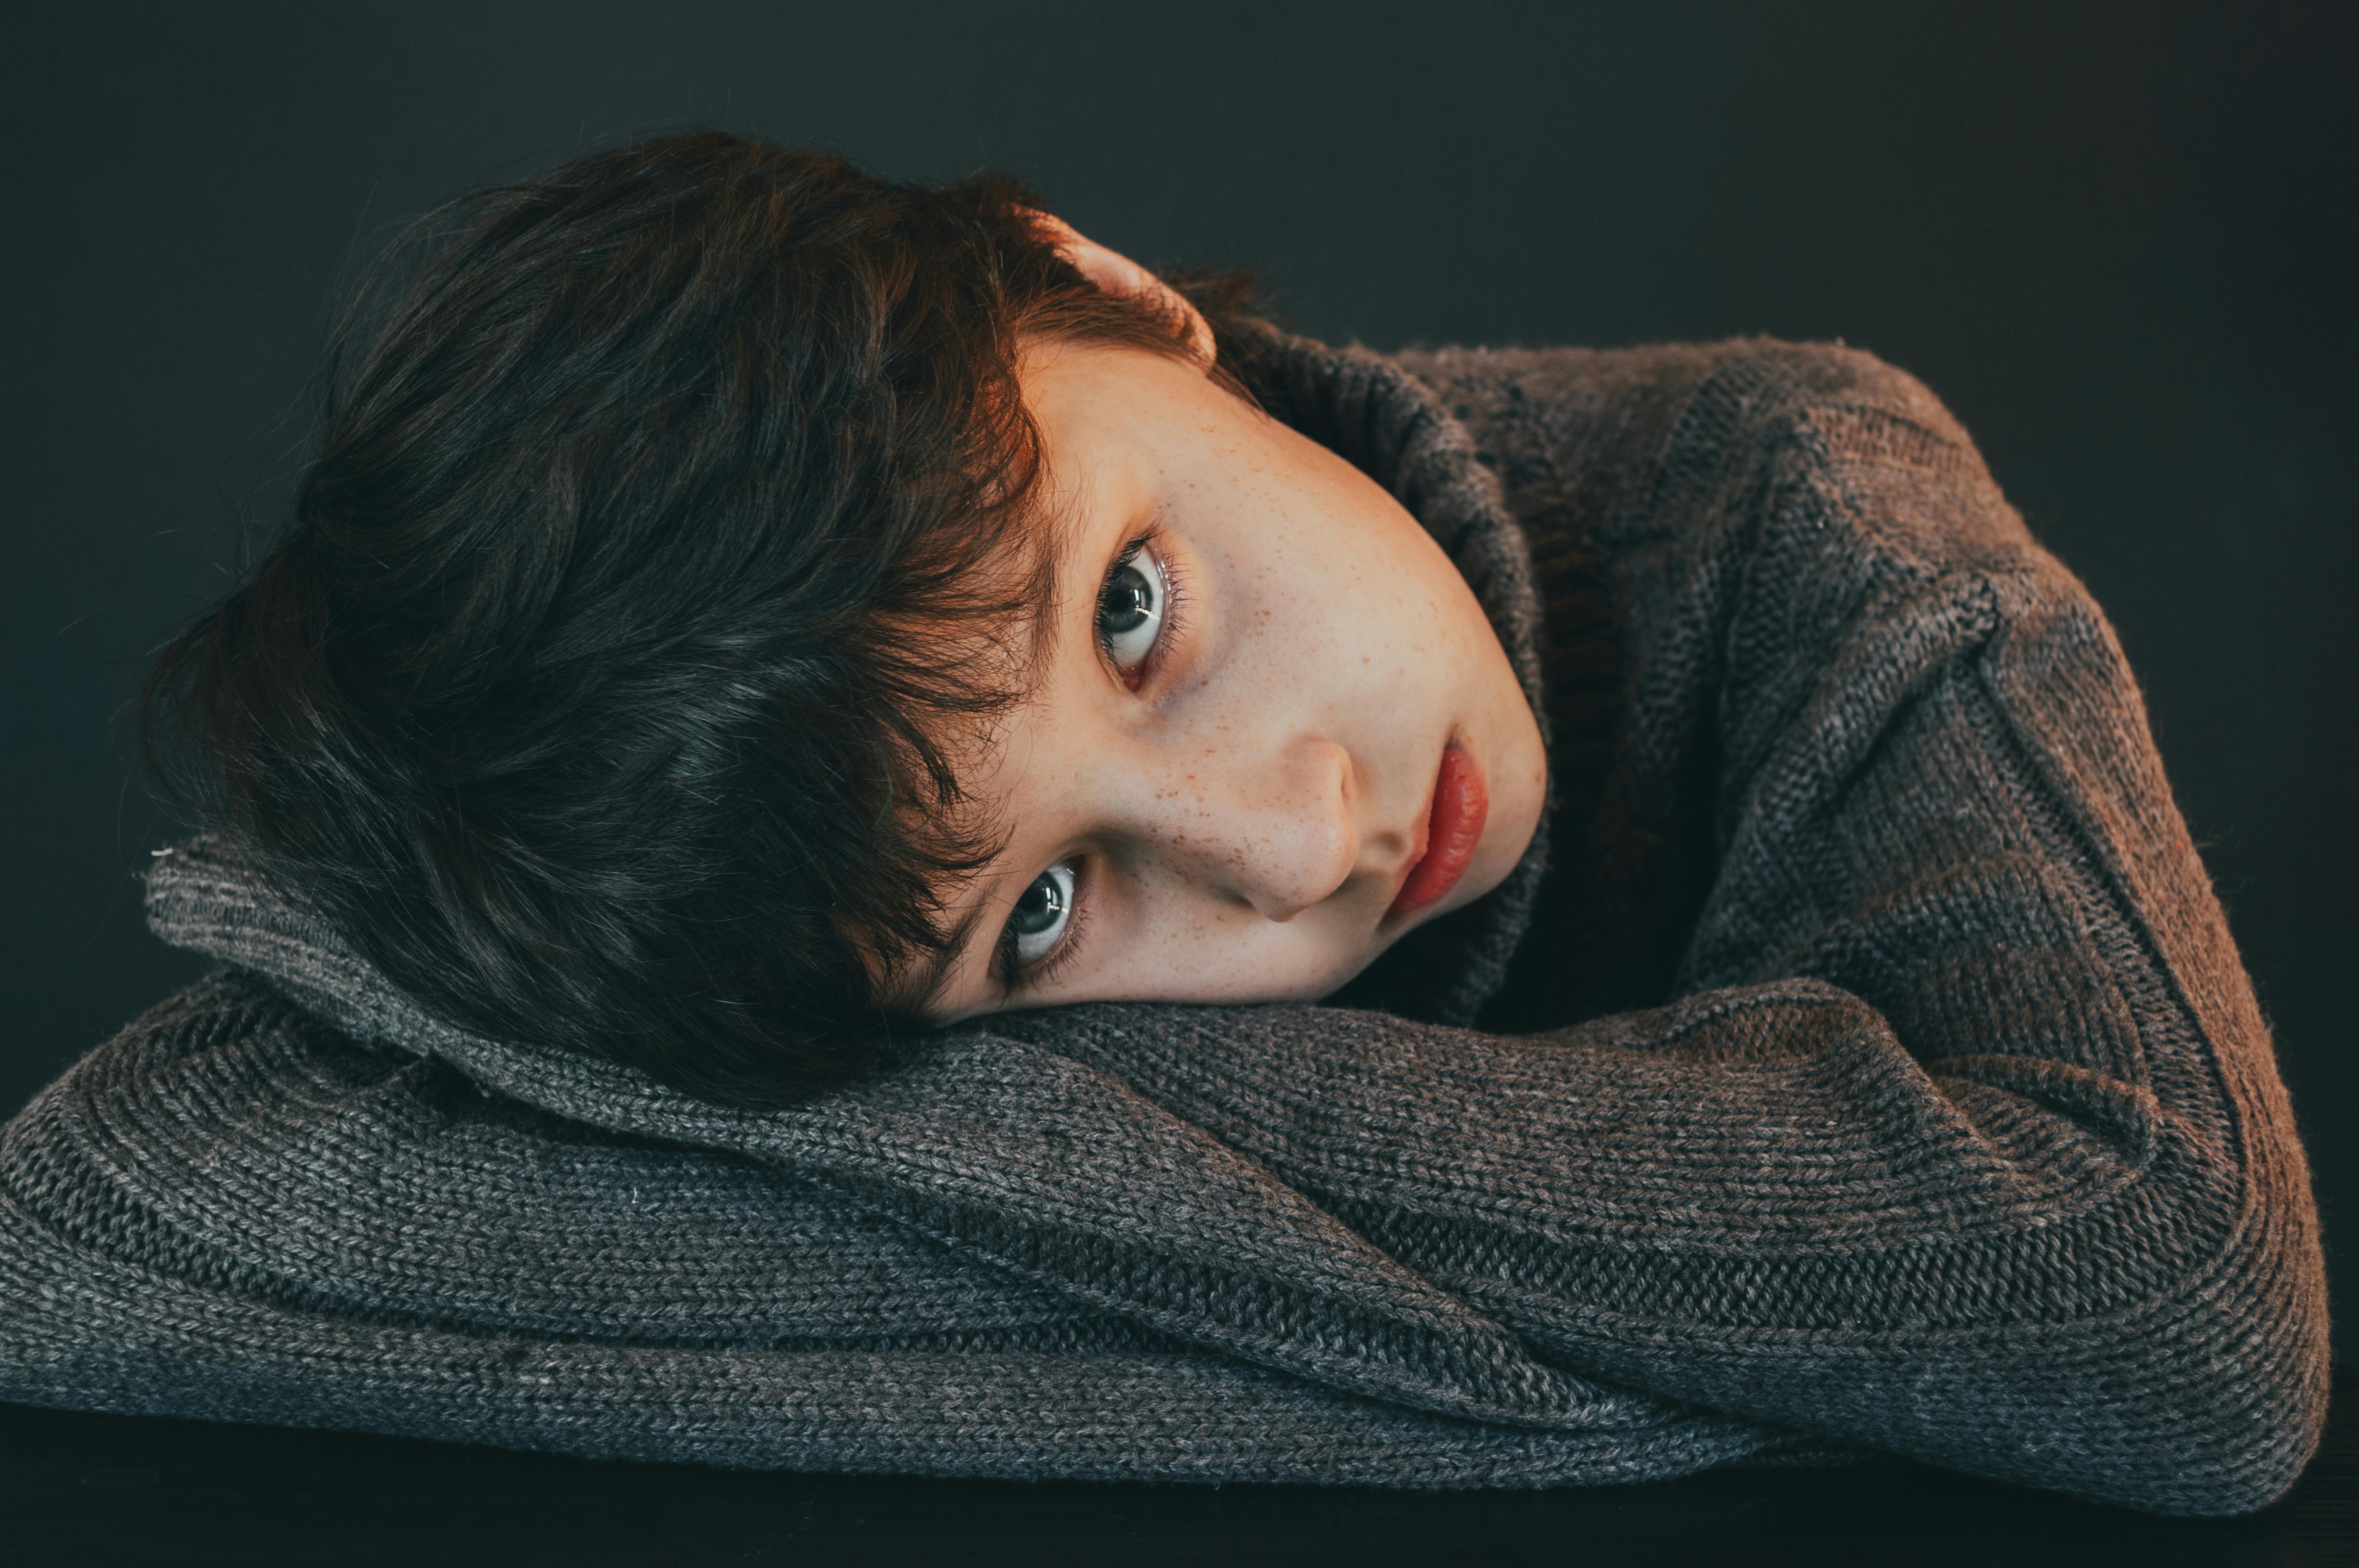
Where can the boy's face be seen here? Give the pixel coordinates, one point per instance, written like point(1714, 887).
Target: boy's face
point(1271, 729)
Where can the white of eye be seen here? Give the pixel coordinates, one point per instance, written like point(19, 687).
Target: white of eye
point(1130, 609)
point(1041, 917)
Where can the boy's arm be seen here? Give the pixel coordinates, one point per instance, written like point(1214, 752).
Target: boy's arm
point(1967, 1143)
point(1965, 1140)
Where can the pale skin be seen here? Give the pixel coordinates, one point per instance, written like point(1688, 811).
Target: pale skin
point(1225, 774)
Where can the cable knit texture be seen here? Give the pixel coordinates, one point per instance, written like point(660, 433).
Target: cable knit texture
point(1878, 1074)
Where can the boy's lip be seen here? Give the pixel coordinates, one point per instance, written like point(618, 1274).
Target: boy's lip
point(1453, 826)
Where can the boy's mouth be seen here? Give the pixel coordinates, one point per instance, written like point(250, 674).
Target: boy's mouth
point(1453, 828)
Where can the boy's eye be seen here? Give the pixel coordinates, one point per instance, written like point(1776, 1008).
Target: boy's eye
point(1130, 608)
point(1041, 915)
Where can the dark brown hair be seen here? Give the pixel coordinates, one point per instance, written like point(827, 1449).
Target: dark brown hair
point(661, 541)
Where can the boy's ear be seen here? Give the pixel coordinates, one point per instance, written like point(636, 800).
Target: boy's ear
point(1118, 273)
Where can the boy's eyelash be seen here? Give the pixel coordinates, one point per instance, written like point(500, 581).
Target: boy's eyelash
point(1174, 603)
point(1013, 977)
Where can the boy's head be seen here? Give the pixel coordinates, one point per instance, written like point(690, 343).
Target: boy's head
point(668, 659)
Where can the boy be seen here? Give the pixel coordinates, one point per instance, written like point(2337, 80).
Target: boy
point(745, 613)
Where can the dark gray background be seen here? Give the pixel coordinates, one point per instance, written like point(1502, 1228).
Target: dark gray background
point(2117, 239)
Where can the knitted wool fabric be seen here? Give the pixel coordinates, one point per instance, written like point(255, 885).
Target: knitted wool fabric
point(1945, 1123)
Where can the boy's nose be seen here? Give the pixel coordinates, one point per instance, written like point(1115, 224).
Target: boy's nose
point(1281, 836)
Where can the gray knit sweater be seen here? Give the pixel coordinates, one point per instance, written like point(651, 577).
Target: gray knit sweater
point(1890, 1081)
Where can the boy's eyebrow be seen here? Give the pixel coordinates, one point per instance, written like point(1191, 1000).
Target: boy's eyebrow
point(935, 973)
point(1059, 520)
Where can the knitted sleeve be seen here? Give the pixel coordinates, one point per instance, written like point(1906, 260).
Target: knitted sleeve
point(1962, 1137)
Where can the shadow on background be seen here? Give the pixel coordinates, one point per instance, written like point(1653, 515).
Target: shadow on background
point(2115, 238)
